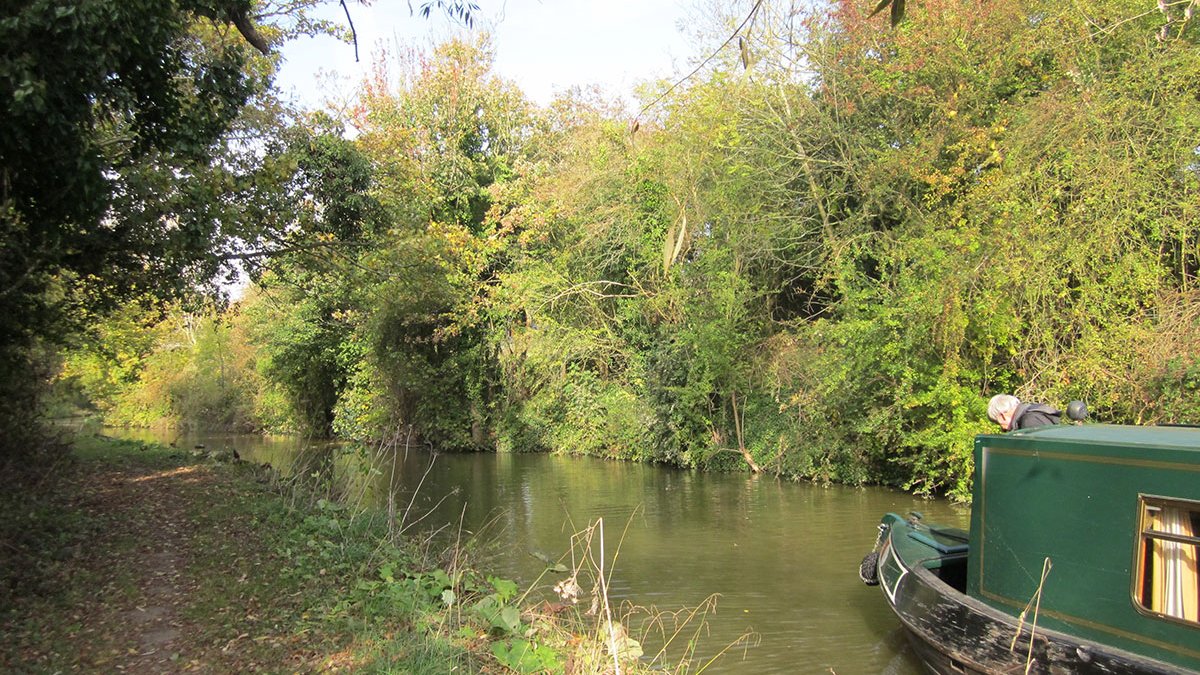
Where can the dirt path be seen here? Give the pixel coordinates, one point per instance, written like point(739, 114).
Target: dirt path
point(146, 548)
point(145, 561)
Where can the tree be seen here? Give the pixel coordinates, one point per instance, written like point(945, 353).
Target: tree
point(115, 115)
point(446, 140)
point(313, 188)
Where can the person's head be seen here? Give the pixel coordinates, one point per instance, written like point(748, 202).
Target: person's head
point(1001, 409)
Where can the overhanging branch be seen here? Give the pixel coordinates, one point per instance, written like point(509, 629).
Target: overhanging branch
point(296, 248)
point(248, 31)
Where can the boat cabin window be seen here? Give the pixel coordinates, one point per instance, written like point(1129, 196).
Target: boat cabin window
point(1167, 582)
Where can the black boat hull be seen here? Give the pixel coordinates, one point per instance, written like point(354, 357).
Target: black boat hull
point(953, 633)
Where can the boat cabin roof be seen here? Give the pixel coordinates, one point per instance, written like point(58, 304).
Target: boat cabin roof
point(1071, 437)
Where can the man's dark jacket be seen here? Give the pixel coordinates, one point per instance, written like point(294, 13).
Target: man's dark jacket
point(1029, 415)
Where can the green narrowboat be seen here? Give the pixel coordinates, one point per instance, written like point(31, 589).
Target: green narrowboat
point(1081, 557)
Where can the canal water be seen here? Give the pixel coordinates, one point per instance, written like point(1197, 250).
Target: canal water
point(775, 563)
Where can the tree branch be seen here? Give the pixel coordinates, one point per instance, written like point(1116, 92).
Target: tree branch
point(353, 33)
point(248, 31)
point(267, 253)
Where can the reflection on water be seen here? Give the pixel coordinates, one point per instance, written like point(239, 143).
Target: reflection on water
point(286, 454)
point(781, 557)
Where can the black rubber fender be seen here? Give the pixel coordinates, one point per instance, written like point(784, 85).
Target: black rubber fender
point(868, 569)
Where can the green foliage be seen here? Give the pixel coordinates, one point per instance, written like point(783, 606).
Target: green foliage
point(821, 268)
point(443, 143)
point(523, 656)
point(299, 340)
point(1177, 390)
point(502, 618)
point(103, 97)
point(117, 172)
point(852, 268)
point(315, 187)
point(109, 362)
point(193, 370)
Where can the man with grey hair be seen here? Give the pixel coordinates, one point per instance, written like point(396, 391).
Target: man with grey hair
point(1008, 411)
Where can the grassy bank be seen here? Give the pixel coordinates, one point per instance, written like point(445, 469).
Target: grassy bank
point(139, 558)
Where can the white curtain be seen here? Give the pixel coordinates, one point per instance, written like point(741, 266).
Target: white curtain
point(1175, 590)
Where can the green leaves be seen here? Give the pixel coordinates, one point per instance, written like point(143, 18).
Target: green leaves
point(523, 656)
point(494, 609)
point(462, 10)
point(505, 589)
point(504, 618)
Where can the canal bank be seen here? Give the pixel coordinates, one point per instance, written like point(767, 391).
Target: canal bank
point(139, 558)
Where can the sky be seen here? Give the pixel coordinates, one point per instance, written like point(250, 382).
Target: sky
point(545, 46)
